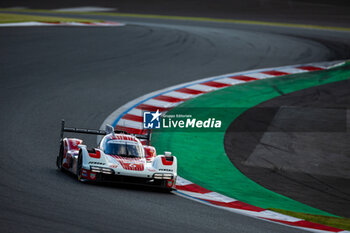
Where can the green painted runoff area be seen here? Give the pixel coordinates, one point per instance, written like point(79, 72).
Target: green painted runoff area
point(200, 153)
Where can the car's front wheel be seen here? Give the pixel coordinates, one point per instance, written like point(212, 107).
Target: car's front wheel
point(80, 167)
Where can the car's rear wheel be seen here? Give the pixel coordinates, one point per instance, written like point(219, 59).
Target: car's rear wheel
point(166, 187)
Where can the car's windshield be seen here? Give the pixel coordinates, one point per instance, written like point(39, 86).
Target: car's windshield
point(123, 148)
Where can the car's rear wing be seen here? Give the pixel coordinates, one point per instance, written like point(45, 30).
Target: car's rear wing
point(146, 137)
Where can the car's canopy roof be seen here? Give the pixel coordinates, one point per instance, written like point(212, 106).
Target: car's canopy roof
point(129, 144)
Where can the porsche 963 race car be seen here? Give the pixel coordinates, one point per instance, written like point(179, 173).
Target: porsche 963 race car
point(119, 157)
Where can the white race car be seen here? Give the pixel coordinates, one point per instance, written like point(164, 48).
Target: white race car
point(120, 157)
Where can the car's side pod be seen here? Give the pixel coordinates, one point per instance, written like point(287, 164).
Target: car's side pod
point(165, 163)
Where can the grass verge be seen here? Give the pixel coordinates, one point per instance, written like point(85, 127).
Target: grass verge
point(205, 19)
point(16, 18)
point(338, 222)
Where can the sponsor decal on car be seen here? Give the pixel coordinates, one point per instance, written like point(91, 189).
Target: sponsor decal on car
point(165, 169)
point(84, 173)
point(133, 164)
point(170, 183)
point(100, 163)
point(92, 175)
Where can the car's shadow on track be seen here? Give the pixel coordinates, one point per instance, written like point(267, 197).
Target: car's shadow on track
point(137, 187)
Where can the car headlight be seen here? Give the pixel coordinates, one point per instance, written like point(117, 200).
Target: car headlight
point(101, 170)
point(163, 176)
point(95, 169)
point(107, 171)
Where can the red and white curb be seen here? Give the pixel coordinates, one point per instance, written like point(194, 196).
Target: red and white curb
point(197, 193)
point(129, 117)
point(80, 24)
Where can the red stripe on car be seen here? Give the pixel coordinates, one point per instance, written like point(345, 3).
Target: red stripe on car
point(131, 164)
point(98, 153)
point(166, 162)
point(93, 155)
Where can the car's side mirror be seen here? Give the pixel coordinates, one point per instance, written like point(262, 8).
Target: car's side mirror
point(167, 153)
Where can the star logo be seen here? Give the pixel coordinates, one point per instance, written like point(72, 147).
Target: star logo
point(156, 115)
point(151, 120)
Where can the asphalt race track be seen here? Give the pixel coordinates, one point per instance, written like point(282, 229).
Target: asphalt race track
point(296, 145)
point(82, 75)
